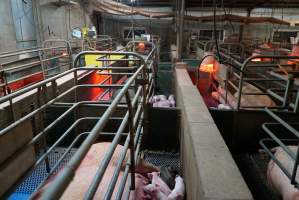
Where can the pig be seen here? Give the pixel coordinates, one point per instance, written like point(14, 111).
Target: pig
point(155, 192)
point(254, 100)
point(168, 175)
point(140, 193)
point(224, 107)
point(179, 189)
point(87, 169)
point(276, 177)
point(171, 99)
point(158, 189)
point(154, 99)
point(157, 181)
point(219, 95)
point(162, 97)
point(246, 100)
point(163, 103)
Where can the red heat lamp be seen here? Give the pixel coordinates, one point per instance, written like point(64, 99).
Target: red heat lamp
point(208, 64)
point(141, 45)
point(64, 54)
point(295, 52)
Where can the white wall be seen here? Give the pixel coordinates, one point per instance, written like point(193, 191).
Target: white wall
point(7, 32)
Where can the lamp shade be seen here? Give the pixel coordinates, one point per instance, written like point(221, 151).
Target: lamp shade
point(208, 63)
point(141, 45)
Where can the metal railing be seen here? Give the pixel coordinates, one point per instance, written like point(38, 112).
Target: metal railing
point(287, 130)
point(139, 81)
point(263, 75)
point(21, 64)
point(100, 42)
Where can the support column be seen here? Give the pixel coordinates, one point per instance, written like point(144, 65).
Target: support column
point(180, 28)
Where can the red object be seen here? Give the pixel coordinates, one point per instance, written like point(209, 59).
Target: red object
point(141, 45)
point(26, 81)
point(295, 52)
point(207, 68)
point(208, 64)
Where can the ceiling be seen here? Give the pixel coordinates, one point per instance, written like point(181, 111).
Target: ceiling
point(227, 3)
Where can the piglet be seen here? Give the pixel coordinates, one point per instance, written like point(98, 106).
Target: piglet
point(139, 193)
point(164, 103)
point(162, 97)
point(179, 190)
point(277, 179)
point(171, 100)
point(155, 192)
point(157, 181)
point(154, 99)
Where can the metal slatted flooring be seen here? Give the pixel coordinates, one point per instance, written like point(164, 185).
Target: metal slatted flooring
point(39, 174)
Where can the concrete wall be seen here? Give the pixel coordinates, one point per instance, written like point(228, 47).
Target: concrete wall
point(208, 167)
point(7, 32)
point(57, 22)
point(50, 22)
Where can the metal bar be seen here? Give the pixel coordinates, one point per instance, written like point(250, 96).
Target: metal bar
point(131, 128)
point(288, 91)
point(27, 76)
point(56, 189)
point(261, 79)
point(28, 51)
point(107, 68)
point(273, 157)
point(126, 171)
point(102, 168)
point(106, 60)
point(263, 64)
point(282, 122)
point(97, 128)
point(112, 73)
point(114, 178)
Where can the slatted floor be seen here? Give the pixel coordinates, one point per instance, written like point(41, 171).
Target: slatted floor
point(161, 159)
point(39, 174)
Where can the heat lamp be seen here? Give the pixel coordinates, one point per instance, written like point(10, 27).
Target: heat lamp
point(208, 63)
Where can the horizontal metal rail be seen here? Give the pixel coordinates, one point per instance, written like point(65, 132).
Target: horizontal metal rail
point(60, 183)
point(291, 131)
point(239, 73)
point(42, 57)
point(134, 119)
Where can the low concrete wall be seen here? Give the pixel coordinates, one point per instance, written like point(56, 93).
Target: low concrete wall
point(208, 167)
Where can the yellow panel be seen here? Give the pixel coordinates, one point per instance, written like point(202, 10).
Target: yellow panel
point(91, 59)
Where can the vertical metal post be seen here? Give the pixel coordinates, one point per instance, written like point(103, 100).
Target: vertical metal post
point(12, 112)
point(43, 145)
point(296, 108)
point(240, 90)
point(131, 144)
point(181, 10)
point(75, 84)
point(288, 91)
point(54, 89)
point(293, 178)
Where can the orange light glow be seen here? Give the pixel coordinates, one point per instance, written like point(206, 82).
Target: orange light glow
point(207, 68)
point(257, 60)
point(141, 45)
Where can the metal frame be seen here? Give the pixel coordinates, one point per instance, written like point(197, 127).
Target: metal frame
point(135, 117)
point(40, 51)
point(282, 143)
point(240, 72)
